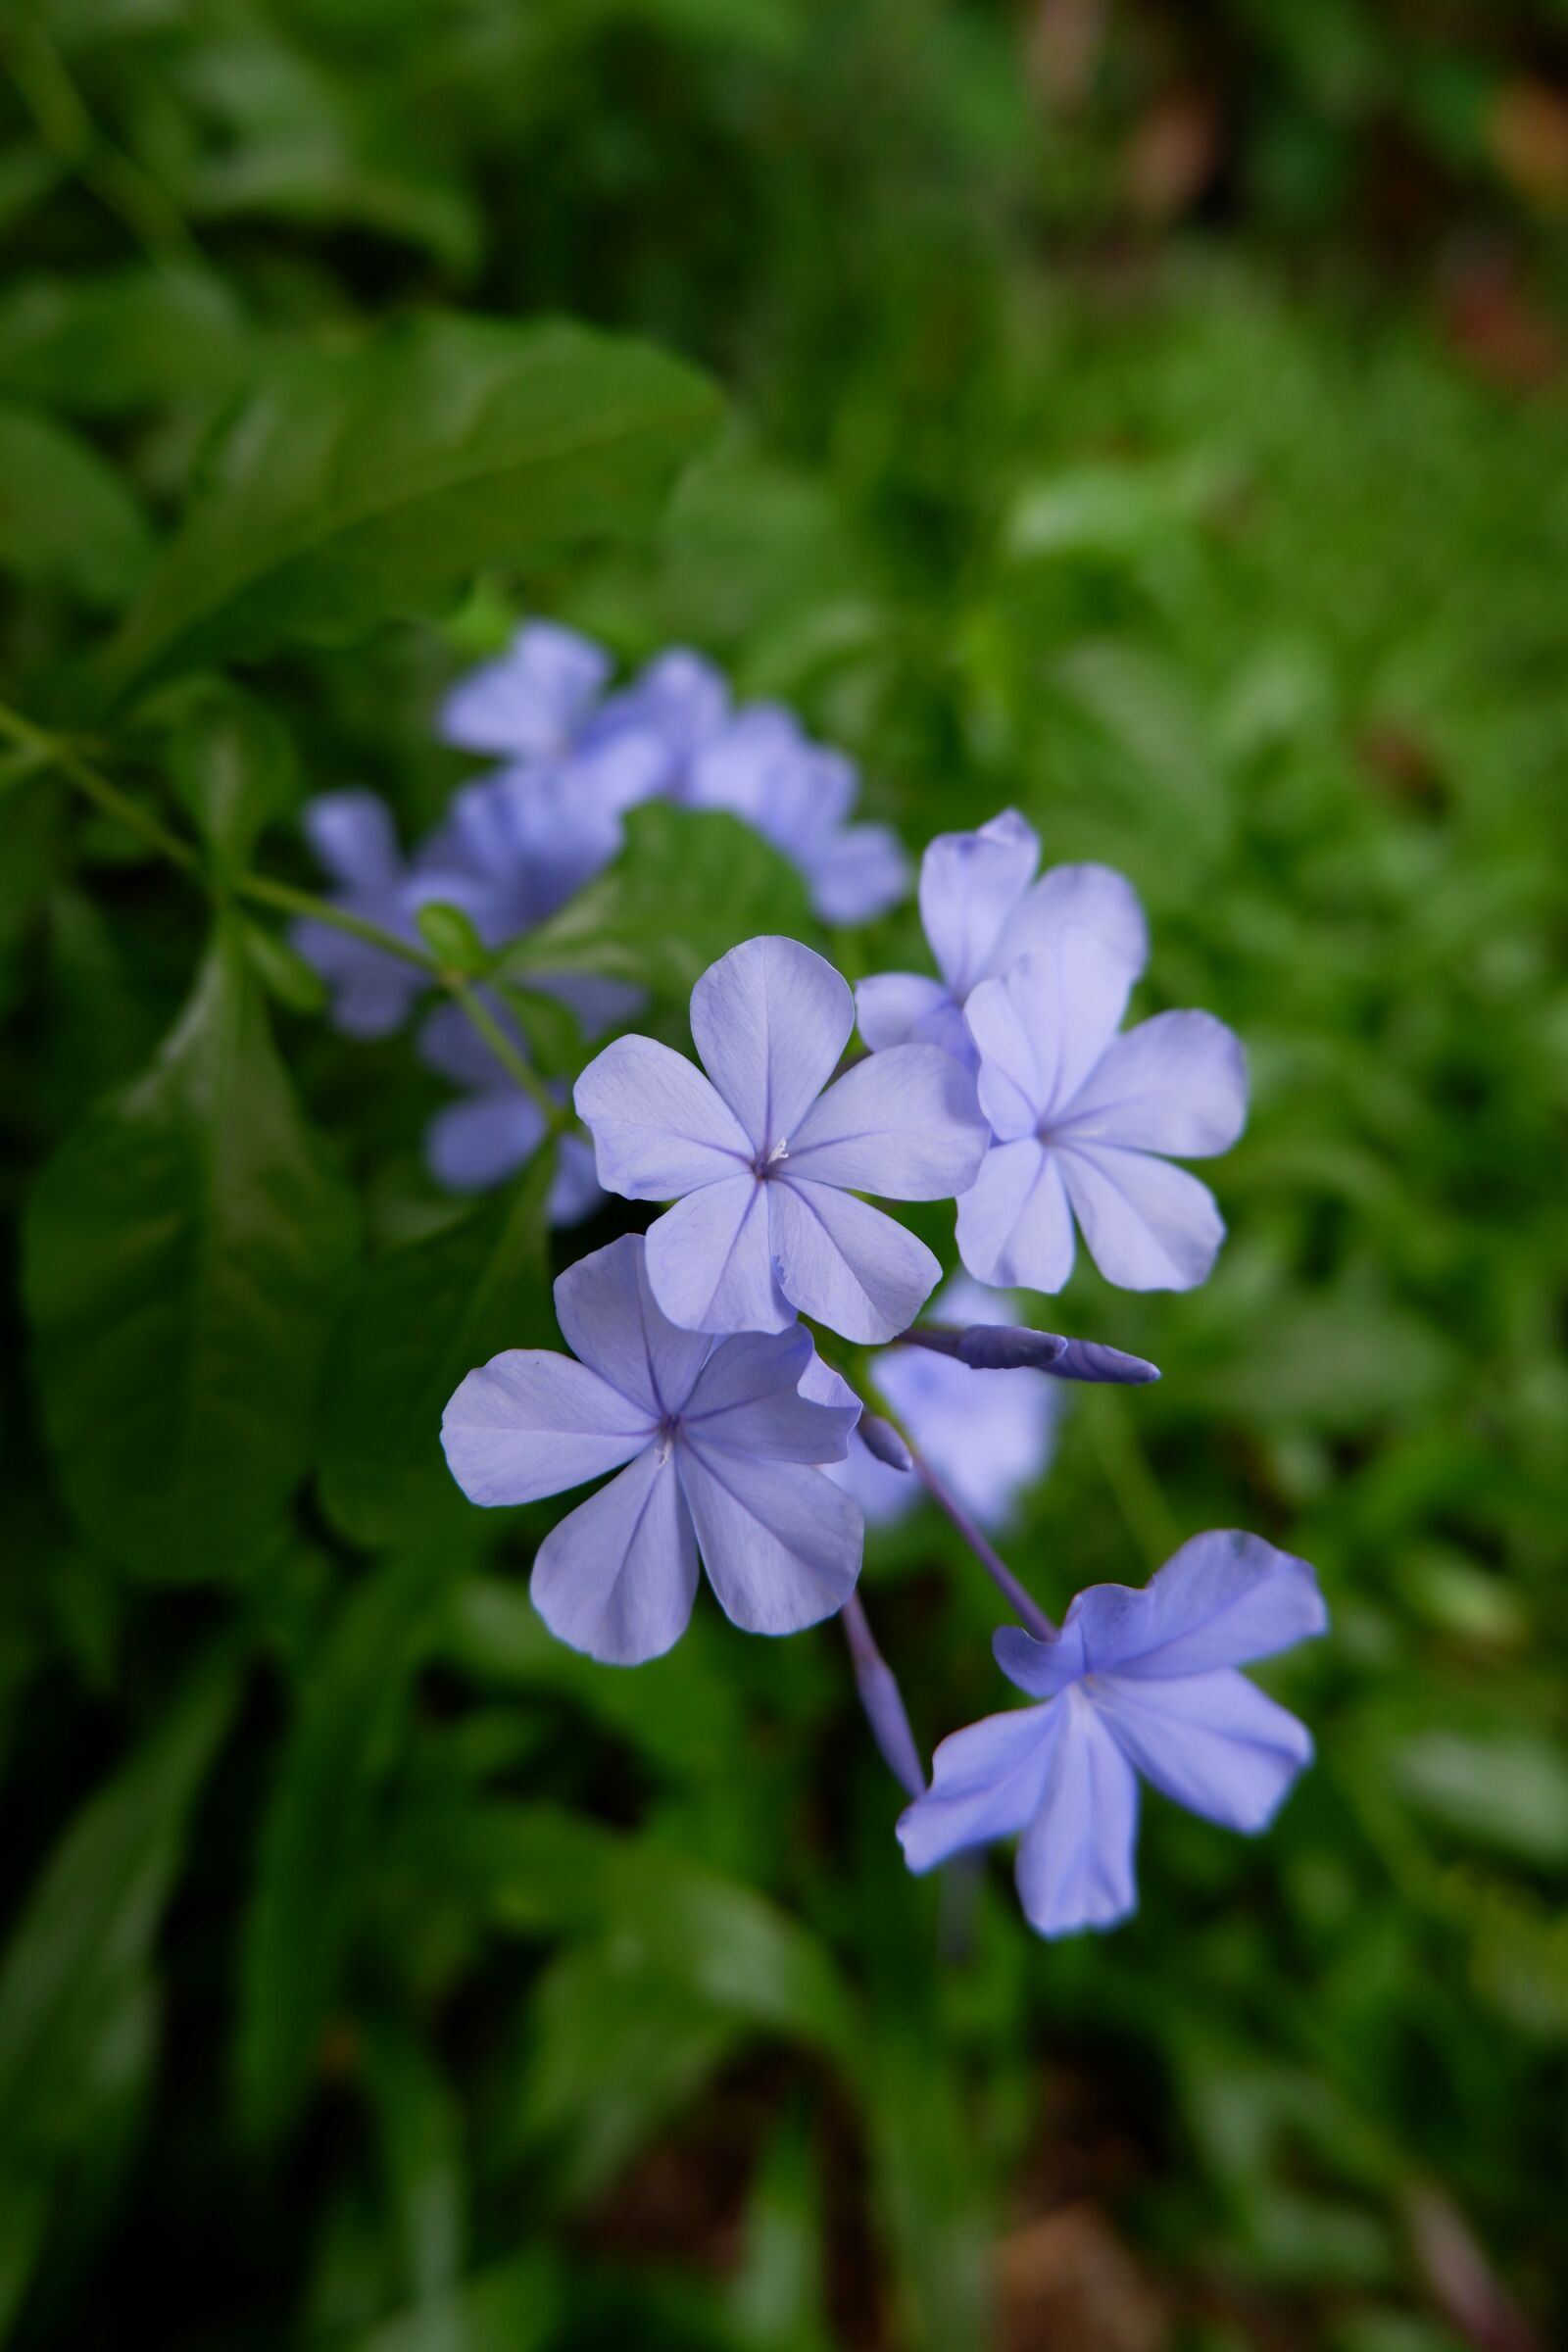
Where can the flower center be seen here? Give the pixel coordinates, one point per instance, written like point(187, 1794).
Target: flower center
point(766, 1163)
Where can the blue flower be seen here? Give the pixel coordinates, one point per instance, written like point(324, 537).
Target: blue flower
point(982, 909)
point(495, 1128)
point(1079, 1115)
point(764, 1167)
point(715, 1452)
point(1136, 1683)
point(796, 795)
point(356, 843)
point(986, 1435)
point(534, 702)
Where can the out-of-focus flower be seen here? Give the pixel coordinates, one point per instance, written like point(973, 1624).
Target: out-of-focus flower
point(986, 1435)
point(716, 1452)
point(1136, 1683)
point(1079, 1116)
point(495, 1128)
point(982, 909)
point(356, 843)
point(532, 704)
point(764, 1165)
point(798, 795)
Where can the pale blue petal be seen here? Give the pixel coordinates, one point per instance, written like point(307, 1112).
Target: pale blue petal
point(904, 1124)
point(1177, 1084)
point(780, 1543)
point(883, 1496)
point(770, 1020)
point(680, 701)
point(748, 1401)
point(575, 1192)
point(969, 885)
point(986, 1435)
point(823, 1385)
point(450, 1045)
point(479, 1141)
point(891, 1008)
point(1224, 1600)
point(354, 840)
point(845, 1263)
point(1211, 1741)
point(1094, 898)
point(529, 1423)
point(1013, 1223)
point(710, 1260)
point(857, 874)
point(659, 1127)
point(986, 1782)
point(530, 702)
point(1075, 1859)
point(1150, 1225)
point(373, 992)
point(1043, 1026)
point(1042, 1668)
point(617, 1577)
point(611, 1322)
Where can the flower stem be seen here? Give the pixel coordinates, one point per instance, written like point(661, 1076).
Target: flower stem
point(289, 901)
point(54, 751)
point(1025, 1608)
point(557, 1116)
point(881, 1698)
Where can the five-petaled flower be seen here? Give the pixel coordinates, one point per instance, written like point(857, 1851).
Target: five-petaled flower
point(760, 1160)
point(1079, 1116)
point(982, 909)
point(1136, 1683)
point(716, 1453)
point(354, 840)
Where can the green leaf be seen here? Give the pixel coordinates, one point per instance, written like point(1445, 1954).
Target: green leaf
point(687, 886)
point(356, 486)
point(283, 971)
point(234, 768)
point(511, 2306)
point(110, 344)
point(185, 1250)
point(420, 2127)
point(66, 520)
point(422, 1315)
point(73, 1984)
point(317, 1829)
point(448, 932)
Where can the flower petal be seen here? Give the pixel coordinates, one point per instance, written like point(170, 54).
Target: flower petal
point(1150, 1226)
point(845, 1263)
point(531, 1423)
point(1042, 1027)
point(781, 1543)
point(1013, 1223)
point(710, 1260)
point(1224, 1600)
point(1075, 1860)
point(530, 702)
point(354, 839)
point(1096, 898)
point(659, 1127)
point(1211, 1741)
point(986, 1782)
point(577, 1192)
point(748, 1399)
point(617, 1577)
point(1177, 1084)
point(969, 885)
point(482, 1138)
point(857, 874)
point(373, 992)
point(611, 1322)
point(770, 1020)
point(905, 1123)
point(891, 1008)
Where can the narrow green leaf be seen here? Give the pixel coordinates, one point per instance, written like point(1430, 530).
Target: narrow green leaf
point(112, 343)
point(67, 520)
point(422, 1316)
point(356, 486)
point(316, 1831)
point(687, 886)
point(185, 1250)
point(420, 2127)
point(233, 767)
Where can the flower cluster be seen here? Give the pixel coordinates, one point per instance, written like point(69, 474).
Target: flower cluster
point(704, 1380)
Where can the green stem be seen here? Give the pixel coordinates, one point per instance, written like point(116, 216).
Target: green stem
point(556, 1116)
point(304, 902)
point(91, 781)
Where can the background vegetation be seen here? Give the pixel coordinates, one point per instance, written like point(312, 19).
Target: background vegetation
point(1152, 418)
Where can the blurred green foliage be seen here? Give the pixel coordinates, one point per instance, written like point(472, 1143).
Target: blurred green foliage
point(1150, 419)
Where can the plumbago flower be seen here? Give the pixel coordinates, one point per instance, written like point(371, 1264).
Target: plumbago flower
point(1136, 1683)
point(986, 1435)
point(763, 1159)
point(982, 909)
point(1079, 1117)
point(765, 768)
point(356, 846)
point(716, 1454)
